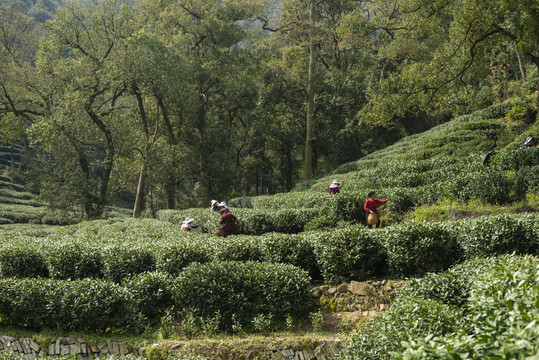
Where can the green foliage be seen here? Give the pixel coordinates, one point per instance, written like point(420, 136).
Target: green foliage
point(351, 253)
point(156, 352)
point(501, 319)
point(74, 261)
point(384, 335)
point(293, 249)
point(491, 235)
point(151, 294)
point(83, 305)
point(242, 290)
point(22, 261)
point(249, 221)
point(479, 308)
point(418, 248)
point(122, 262)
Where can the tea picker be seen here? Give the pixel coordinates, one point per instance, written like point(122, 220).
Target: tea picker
point(371, 206)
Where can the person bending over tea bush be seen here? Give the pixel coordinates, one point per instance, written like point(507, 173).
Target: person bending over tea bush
point(228, 220)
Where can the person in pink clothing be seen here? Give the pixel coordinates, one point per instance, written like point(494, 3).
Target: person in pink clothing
point(371, 205)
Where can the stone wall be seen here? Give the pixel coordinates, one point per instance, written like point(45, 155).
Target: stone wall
point(72, 346)
point(368, 297)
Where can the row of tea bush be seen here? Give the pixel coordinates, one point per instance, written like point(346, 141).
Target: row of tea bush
point(509, 176)
point(120, 249)
point(234, 292)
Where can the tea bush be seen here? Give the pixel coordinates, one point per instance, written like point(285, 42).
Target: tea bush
point(495, 235)
point(74, 261)
point(151, 294)
point(237, 292)
point(418, 248)
point(406, 319)
point(82, 305)
point(20, 260)
point(292, 249)
point(173, 257)
point(121, 262)
point(249, 221)
point(485, 308)
point(501, 320)
point(351, 253)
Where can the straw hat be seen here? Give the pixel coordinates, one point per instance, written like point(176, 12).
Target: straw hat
point(188, 220)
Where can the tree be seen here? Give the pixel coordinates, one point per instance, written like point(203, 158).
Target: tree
point(444, 52)
point(80, 64)
point(207, 38)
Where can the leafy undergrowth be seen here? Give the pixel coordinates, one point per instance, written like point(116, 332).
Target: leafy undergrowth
point(451, 210)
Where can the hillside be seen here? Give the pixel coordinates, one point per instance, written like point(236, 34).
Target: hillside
point(175, 286)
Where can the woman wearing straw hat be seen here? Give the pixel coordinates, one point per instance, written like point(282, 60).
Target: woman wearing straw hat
point(371, 205)
point(334, 187)
point(214, 207)
point(188, 224)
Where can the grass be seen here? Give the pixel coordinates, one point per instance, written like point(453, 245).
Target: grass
point(451, 210)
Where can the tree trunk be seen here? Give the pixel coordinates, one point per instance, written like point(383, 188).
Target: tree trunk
point(139, 200)
point(108, 164)
point(170, 194)
point(203, 150)
point(521, 65)
point(535, 60)
point(12, 162)
point(309, 143)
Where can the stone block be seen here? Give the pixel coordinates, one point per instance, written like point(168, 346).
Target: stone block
point(64, 349)
point(25, 346)
point(363, 289)
point(34, 346)
point(124, 348)
point(52, 348)
point(18, 347)
point(332, 290)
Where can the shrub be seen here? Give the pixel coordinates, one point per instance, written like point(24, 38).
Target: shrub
point(240, 291)
point(495, 235)
point(292, 249)
point(122, 262)
point(241, 202)
point(151, 294)
point(495, 187)
point(18, 260)
point(74, 261)
point(92, 305)
point(172, 258)
point(25, 302)
point(237, 248)
point(406, 319)
point(501, 319)
point(348, 206)
point(352, 253)
point(418, 248)
point(82, 305)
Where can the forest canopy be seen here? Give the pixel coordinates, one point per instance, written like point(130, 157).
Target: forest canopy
point(171, 103)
